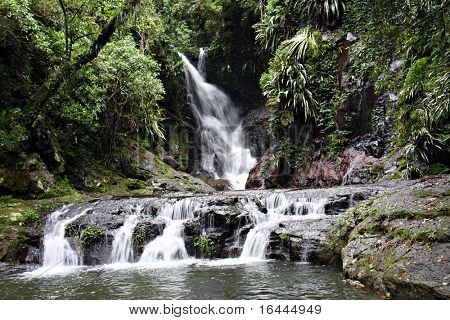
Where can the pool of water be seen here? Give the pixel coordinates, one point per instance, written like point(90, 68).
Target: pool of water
point(194, 279)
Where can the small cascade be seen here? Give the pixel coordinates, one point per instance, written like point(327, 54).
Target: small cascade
point(279, 208)
point(201, 66)
point(122, 247)
point(306, 249)
point(277, 203)
point(57, 250)
point(223, 151)
point(170, 245)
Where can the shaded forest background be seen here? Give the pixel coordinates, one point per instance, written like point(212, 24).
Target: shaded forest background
point(89, 87)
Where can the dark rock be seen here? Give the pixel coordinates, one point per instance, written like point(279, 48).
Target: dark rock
point(360, 102)
point(25, 174)
point(255, 127)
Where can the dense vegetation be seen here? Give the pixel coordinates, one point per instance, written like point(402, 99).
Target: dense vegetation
point(95, 83)
point(323, 51)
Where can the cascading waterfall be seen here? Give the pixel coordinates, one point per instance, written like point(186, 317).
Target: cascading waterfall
point(279, 208)
point(57, 250)
point(223, 153)
point(122, 247)
point(201, 66)
point(170, 245)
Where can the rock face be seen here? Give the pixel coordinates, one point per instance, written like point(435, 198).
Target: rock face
point(352, 167)
point(398, 243)
point(264, 174)
point(25, 174)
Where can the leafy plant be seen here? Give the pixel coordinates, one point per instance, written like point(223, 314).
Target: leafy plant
point(206, 246)
point(91, 234)
point(285, 238)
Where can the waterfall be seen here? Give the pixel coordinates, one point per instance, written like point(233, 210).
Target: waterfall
point(201, 67)
point(279, 208)
point(170, 245)
point(223, 153)
point(122, 247)
point(57, 250)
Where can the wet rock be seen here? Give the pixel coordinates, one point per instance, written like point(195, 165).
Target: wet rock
point(255, 126)
point(351, 37)
point(219, 184)
point(33, 255)
point(98, 251)
point(302, 240)
point(396, 65)
point(352, 167)
point(264, 174)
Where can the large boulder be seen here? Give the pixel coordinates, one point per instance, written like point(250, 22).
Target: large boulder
point(398, 243)
point(25, 174)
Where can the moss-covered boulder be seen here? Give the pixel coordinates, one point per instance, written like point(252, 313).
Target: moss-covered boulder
point(398, 243)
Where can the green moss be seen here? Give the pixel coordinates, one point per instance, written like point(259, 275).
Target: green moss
point(91, 234)
point(395, 175)
point(377, 170)
point(71, 230)
point(429, 235)
point(29, 215)
point(138, 237)
point(228, 220)
point(285, 238)
point(426, 193)
point(60, 189)
point(206, 246)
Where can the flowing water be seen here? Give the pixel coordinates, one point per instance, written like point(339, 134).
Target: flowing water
point(278, 209)
point(223, 151)
point(122, 250)
point(170, 245)
point(57, 249)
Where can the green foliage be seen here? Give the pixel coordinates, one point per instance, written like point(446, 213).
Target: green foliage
point(206, 246)
point(12, 133)
point(414, 32)
point(327, 11)
point(91, 234)
point(337, 142)
point(285, 238)
point(29, 215)
point(71, 230)
point(285, 87)
point(138, 237)
point(60, 189)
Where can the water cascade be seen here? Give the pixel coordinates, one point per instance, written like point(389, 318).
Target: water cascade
point(57, 250)
point(279, 208)
point(122, 247)
point(223, 153)
point(170, 245)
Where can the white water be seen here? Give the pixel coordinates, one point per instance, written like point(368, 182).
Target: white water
point(279, 208)
point(201, 66)
point(122, 247)
point(57, 250)
point(170, 246)
point(223, 153)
